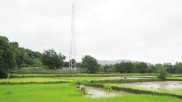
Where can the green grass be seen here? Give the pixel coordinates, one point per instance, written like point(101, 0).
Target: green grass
point(174, 77)
point(172, 91)
point(39, 79)
point(53, 79)
point(81, 75)
point(66, 93)
point(56, 79)
point(177, 78)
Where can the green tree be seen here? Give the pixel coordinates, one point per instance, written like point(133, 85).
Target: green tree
point(79, 65)
point(162, 72)
point(66, 64)
point(170, 67)
point(90, 63)
point(26, 57)
point(106, 68)
point(124, 67)
point(151, 68)
point(142, 67)
point(128, 67)
point(7, 57)
point(52, 60)
point(21, 57)
point(33, 59)
point(178, 67)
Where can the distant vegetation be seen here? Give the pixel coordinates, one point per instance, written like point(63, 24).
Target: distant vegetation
point(12, 56)
point(141, 67)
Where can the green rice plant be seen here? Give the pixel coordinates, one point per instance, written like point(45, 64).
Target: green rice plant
point(65, 93)
point(140, 91)
point(123, 80)
point(108, 88)
point(99, 85)
point(74, 74)
point(132, 90)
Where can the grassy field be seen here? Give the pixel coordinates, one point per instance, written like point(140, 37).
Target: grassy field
point(66, 93)
point(82, 75)
point(71, 78)
point(56, 79)
point(175, 91)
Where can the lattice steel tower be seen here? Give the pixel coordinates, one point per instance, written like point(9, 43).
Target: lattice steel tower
point(72, 54)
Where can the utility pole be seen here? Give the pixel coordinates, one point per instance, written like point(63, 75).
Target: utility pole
point(72, 54)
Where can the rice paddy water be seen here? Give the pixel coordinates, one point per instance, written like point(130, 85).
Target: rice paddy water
point(167, 85)
point(101, 93)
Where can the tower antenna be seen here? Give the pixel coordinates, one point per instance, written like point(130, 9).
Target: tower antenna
point(72, 54)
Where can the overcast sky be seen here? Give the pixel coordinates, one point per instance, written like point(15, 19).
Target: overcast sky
point(141, 30)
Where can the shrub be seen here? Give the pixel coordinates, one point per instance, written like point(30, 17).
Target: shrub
point(162, 73)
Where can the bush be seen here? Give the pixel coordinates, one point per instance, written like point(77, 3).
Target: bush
point(162, 73)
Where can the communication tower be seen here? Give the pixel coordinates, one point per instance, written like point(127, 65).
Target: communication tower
point(72, 53)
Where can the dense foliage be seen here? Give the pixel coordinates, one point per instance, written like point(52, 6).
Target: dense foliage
point(7, 57)
point(12, 56)
point(162, 72)
point(90, 63)
point(26, 57)
point(125, 67)
point(52, 60)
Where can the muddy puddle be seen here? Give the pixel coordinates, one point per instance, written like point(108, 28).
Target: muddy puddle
point(101, 93)
point(166, 85)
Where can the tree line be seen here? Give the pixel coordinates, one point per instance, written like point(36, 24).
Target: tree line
point(141, 67)
point(13, 56)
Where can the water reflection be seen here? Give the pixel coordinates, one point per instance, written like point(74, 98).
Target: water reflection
point(99, 93)
point(158, 85)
